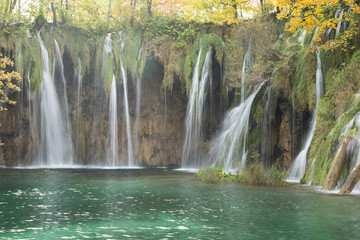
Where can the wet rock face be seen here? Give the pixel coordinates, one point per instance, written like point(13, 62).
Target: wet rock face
point(161, 120)
point(338, 164)
point(286, 143)
point(351, 181)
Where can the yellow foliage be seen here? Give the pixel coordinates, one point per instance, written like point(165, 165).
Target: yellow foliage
point(309, 14)
point(8, 82)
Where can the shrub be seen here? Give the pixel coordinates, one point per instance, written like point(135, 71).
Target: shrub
point(208, 175)
point(255, 174)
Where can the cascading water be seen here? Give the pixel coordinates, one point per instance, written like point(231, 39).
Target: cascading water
point(328, 32)
point(338, 27)
point(266, 127)
point(78, 122)
point(138, 107)
point(56, 144)
point(347, 23)
point(63, 81)
point(298, 168)
point(302, 37)
point(62, 75)
point(247, 63)
point(354, 123)
point(113, 128)
point(112, 158)
point(231, 142)
point(191, 157)
point(126, 108)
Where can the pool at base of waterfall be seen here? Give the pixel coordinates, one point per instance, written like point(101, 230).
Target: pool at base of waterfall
point(158, 204)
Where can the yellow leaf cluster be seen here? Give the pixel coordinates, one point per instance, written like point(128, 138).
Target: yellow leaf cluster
point(311, 14)
point(8, 81)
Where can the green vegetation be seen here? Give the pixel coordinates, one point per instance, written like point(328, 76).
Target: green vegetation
point(255, 174)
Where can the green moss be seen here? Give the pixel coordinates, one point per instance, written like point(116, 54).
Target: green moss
point(325, 143)
point(188, 64)
point(305, 80)
point(132, 43)
point(214, 41)
point(107, 71)
point(36, 69)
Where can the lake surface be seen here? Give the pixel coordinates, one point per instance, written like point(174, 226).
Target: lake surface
point(155, 204)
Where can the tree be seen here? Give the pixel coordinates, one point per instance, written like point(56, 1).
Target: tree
point(8, 82)
point(311, 14)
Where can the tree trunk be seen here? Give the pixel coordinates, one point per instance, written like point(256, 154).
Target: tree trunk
point(7, 3)
point(351, 181)
point(109, 10)
point(54, 13)
point(262, 6)
point(235, 8)
point(149, 5)
point(12, 5)
point(338, 163)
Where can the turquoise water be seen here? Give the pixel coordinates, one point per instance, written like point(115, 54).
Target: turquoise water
point(153, 204)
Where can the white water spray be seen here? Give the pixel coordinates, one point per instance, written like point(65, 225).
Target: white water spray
point(56, 144)
point(230, 144)
point(298, 168)
point(113, 127)
point(248, 62)
point(112, 158)
point(126, 108)
point(191, 157)
point(138, 107)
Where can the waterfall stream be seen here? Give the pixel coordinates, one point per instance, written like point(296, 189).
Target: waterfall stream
point(113, 126)
point(138, 107)
point(302, 37)
point(266, 150)
point(298, 167)
point(247, 63)
point(338, 27)
point(191, 157)
point(355, 148)
point(56, 144)
point(126, 108)
point(78, 117)
point(112, 155)
point(231, 142)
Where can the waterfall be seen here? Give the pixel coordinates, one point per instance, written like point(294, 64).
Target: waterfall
point(266, 127)
point(194, 114)
point(298, 168)
point(313, 38)
point(248, 62)
point(328, 32)
point(354, 123)
point(112, 155)
point(231, 142)
point(65, 99)
point(338, 27)
point(357, 151)
point(56, 141)
point(347, 23)
point(302, 37)
point(126, 108)
point(138, 107)
point(293, 125)
point(113, 128)
point(78, 117)
point(61, 66)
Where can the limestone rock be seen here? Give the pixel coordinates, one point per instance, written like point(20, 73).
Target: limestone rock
point(338, 164)
point(351, 181)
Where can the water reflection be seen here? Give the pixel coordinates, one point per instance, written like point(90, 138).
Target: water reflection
point(153, 204)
